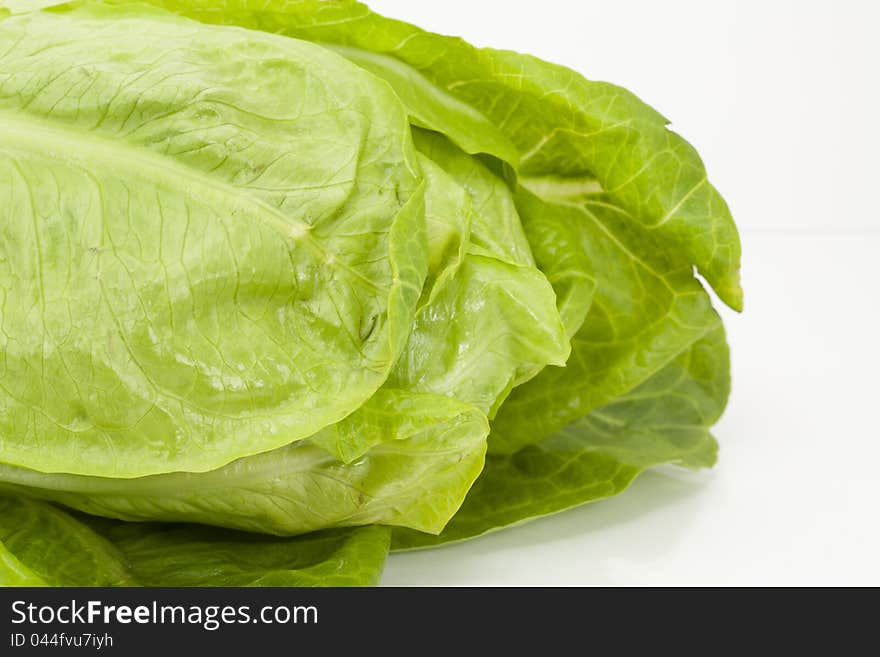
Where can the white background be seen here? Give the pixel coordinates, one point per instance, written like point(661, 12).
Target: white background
point(782, 99)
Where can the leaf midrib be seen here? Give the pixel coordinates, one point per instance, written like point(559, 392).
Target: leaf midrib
point(38, 136)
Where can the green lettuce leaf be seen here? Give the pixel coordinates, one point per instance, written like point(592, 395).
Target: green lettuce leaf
point(429, 451)
point(432, 107)
point(665, 420)
point(56, 548)
point(15, 573)
point(646, 308)
point(40, 544)
point(214, 268)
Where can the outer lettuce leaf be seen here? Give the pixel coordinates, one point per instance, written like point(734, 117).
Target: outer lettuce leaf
point(665, 420)
point(58, 549)
point(15, 573)
point(181, 555)
point(646, 308)
point(213, 268)
point(561, 124)
point(432, 107)
point(429, 451)
point(175, 555)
